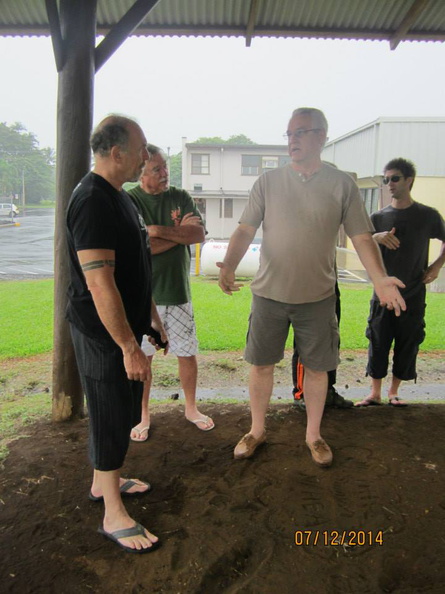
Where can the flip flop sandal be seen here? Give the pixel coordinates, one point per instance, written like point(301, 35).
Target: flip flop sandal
point(368, 402)
point(139, 432)
point(205, 420)
point(396, 402)
point(125, 533)
point(124, 491)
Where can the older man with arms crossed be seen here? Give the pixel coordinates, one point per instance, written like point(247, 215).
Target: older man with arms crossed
point(173, 224)
point(301, 207)
point(109, 311)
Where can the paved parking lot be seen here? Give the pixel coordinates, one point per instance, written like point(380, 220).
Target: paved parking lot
point(28, 249)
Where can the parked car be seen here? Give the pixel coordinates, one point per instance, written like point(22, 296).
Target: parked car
point(8, 210)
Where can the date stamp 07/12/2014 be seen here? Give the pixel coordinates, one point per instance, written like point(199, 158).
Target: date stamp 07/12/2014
point(337, 538)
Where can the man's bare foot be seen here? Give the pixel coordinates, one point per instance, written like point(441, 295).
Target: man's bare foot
point(201, 421)
point(140, 431)
point(128, 488)
point(128, 534)
point(396, 401)
point(370, 401)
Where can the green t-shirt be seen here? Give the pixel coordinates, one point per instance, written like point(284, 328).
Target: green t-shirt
point(171, 269)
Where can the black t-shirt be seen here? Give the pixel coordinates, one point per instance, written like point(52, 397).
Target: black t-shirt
point(414, 226)
point(100, 217)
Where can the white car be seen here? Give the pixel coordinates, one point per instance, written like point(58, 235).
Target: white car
point(8, 210)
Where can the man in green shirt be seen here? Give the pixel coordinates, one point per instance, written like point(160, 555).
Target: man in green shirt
point(173, 223)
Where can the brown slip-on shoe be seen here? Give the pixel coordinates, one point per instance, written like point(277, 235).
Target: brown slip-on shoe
point(247, 445)
point(321, 452)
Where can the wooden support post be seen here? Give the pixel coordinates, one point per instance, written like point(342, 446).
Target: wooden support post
point(74, 122)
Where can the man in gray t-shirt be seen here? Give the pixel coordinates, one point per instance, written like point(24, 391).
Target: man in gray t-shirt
point(301, 207)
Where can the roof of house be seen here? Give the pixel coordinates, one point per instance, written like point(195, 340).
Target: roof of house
point(235, 147)
point(391, 20)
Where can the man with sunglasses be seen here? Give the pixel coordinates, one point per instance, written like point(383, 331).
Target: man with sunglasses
point(301, 207)
point(403, 232)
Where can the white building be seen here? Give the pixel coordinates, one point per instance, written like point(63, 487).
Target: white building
point(220, 176)
point(366, 151)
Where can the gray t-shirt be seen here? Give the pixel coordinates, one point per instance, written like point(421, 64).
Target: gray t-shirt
point(301, 220)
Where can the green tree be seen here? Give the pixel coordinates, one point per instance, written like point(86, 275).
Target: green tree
point(176, 170)
point(209, 140)
point(239, 139)
point(234, 139)
point(24, 167)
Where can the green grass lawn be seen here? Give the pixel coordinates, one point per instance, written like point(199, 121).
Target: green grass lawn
point(26, 317)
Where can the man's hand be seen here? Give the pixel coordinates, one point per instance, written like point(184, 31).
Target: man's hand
point(388, 239)
point(135, 362)
point(159, 327)
point(388, 293)
point(432, 272)
point(226, 280)
point(156, 324)
point(190, 219)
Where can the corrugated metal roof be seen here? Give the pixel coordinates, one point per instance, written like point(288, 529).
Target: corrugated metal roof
point(366, 149)
point(392, 20)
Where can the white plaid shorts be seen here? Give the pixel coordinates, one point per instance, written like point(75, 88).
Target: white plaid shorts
point(179, 323)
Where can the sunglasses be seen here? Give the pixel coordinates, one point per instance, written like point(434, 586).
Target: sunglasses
point(393, 178)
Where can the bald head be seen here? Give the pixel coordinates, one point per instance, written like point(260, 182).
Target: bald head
point(120, 150)
point(114, 130)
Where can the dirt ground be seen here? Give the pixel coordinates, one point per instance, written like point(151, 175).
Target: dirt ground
point(258, 526)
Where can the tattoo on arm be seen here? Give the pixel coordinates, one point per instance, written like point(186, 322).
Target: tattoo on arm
point(97, 264)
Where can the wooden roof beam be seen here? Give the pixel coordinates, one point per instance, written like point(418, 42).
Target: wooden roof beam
point(121, 30)
point(56, 33)
point(250, 29)
point(417, 7)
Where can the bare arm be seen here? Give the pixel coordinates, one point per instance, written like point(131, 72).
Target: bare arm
point(388, 239)
point(241, 238)
point(386, 287)
point(189, 231)
point(98, 269)
point(433, 270)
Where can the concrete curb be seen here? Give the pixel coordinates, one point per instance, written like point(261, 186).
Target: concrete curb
point(410, 392)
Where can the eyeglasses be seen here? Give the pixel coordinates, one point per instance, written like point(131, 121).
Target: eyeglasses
point(393, 178)
point(300, 133)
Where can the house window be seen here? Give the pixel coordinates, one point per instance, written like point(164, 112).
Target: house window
point(200, 164)
point(197, 188)
point(228, 208)
point(250, 164)
point(371, 199)
point(269, 163)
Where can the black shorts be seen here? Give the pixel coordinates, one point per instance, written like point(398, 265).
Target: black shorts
point(405, 333)
point(114, 401)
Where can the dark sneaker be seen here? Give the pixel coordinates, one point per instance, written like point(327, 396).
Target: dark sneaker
point(300, 403)
point(335, 400)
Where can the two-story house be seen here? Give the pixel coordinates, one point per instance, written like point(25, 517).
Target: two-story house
point(220, 176)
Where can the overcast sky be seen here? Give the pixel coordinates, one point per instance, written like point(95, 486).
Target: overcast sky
point(189, 87)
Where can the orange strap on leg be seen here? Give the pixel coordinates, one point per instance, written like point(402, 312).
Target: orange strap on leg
point(298, 394)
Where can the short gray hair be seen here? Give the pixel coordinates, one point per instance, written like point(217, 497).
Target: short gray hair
point(154, 150)
point(318, 118)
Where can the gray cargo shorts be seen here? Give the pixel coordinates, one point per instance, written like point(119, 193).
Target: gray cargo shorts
point(315, 327)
